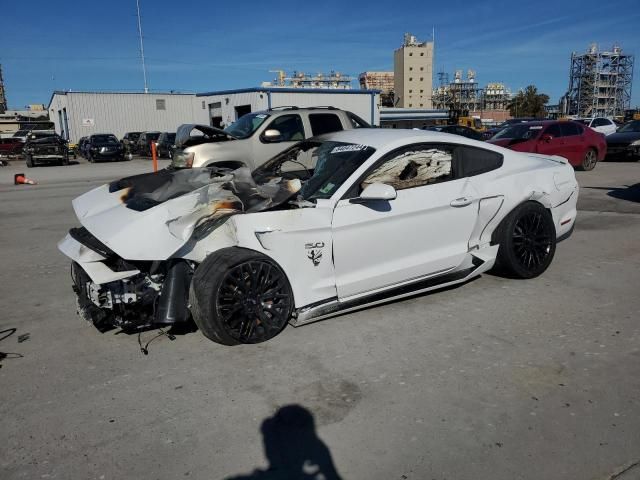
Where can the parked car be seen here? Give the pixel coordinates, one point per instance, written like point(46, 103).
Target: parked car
point(257, 136)
point(45, 147)
point(490, 132)
point(625, 144)
point(104, 146)
point(603, 125)
point(82, 143)
point(129, 142)
point(143, 145)
point(11, 146)
point(334, 223)
point(582, 146)
point(459, 130)
point(165, 144)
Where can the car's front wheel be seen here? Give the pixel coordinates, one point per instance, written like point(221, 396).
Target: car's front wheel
point(240, 296)
point(527, 239)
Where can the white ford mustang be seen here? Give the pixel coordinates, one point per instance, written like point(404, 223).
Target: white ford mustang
point(334, 223)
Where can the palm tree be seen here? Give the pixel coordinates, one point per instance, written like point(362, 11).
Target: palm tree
point(529, 103)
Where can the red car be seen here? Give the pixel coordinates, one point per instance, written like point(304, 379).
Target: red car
point(581, 145)
point(11, 146)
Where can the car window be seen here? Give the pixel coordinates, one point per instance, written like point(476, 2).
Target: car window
point(600, 122)
point(570, 129)
point(470, 161)
point(356, 121)
point(289, 126)
point(553, 130)
point(413, 167)
point(324, 123)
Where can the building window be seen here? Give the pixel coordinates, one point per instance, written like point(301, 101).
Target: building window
point(421, 78)
point(410, 68)
point(422, 54)
point(421, 91)
point(410, 105)
point(421, 105)
point(161, 104)
point(410, 78)
point(410, 91)
point(411, 54)
point(216, 105)
point(203, 107)
point(421, 68)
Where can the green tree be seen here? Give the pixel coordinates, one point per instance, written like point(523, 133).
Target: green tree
point(529, 103)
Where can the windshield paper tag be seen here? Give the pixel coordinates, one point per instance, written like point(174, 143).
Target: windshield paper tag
point(536, 127)
point(262, 115)
point(348, 148)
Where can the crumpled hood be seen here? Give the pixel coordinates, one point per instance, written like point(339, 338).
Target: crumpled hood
point(150, 216)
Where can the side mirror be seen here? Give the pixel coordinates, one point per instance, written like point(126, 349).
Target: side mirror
point(272, 136)
point(546, 138)
point(376, 191)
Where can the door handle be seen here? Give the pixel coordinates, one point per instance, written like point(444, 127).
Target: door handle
point(461, 202)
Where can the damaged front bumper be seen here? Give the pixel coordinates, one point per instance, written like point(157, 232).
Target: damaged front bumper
point(114, 293)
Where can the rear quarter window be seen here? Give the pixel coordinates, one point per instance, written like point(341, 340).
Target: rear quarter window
point(472, 161)
point(324, 123)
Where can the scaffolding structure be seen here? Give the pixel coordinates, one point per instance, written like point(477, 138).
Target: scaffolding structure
point(599, 83)
point(496, 96)
point(461, 95)
point(3, 97)
point(334, 80)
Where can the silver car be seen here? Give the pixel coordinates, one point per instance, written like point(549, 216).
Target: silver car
point(257, 136)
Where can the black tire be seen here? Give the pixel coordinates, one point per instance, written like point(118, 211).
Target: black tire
point(589, 161)
point(527, 239)
point(240, 296)
point(90, 157)
point(29, 160)
point(65, 161)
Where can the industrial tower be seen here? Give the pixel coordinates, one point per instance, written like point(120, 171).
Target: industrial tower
point(599, 83)
point(3, 98)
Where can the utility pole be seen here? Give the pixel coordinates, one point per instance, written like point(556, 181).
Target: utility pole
point(144, 68)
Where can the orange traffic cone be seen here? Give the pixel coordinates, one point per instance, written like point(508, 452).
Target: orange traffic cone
point(19, 179)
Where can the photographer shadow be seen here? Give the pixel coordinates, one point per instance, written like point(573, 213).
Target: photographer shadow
point(293, 448)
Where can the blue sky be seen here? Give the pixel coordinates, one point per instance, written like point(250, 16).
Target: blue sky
point(210, 45)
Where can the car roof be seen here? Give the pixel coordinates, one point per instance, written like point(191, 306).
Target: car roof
point(380, 137)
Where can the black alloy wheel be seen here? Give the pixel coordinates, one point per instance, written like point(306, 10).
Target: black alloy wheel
point(253, 302)
point(532, 240)
point(527, 241)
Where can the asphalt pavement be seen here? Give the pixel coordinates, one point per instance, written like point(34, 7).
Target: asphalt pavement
point(495, 379)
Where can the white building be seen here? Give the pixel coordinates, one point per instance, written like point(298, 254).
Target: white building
point(225, 107)
point(78, 114)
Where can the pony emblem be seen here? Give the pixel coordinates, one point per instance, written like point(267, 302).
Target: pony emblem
point(314, 252)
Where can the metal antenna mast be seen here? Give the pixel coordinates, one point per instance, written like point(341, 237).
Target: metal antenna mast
point(144, 68)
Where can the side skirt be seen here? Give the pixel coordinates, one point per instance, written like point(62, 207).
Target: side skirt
point(333, 307)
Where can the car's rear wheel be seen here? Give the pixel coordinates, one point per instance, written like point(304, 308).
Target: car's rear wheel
point(240, 296)
point(589, 161)
point(527, 239)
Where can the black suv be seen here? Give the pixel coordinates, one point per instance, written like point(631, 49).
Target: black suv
point(45, 147)
point(165, 143)
point(103, 146)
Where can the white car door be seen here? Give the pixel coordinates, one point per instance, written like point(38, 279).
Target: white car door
point(423, 232)
point(603, 125)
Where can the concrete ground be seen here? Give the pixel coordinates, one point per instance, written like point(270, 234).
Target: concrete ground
point(495, 379)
